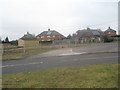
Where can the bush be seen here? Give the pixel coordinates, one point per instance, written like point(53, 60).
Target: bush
point(14, 42)
point(108, 39)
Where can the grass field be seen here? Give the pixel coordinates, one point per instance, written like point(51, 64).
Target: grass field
point(88, 76)
point(17, 54)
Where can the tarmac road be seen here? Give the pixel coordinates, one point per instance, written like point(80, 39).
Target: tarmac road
point(63, 58)
point(15, 66)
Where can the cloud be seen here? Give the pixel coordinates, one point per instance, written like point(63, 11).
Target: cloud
point(65, 16)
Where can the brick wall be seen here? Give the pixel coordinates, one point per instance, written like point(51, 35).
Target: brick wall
point(50, 38)
point(110, 33)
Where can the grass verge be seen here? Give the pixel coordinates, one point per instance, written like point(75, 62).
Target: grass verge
point(28, 52)
point(88, 76)
point(17, 53)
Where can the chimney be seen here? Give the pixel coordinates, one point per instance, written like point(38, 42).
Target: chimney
point(108, 27)
point(49, 29)
point(88, 28)
point(27, 32)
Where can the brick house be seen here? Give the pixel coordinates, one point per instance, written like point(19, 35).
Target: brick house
point(89, 35)
point(28, 40)
point(110, 32)
point(48, 37)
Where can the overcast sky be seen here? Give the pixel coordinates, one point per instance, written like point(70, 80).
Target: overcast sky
point(65, 16)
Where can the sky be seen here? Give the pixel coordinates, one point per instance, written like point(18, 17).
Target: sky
point(65, 16)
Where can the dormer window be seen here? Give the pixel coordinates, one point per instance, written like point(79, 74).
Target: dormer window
point(49, 32)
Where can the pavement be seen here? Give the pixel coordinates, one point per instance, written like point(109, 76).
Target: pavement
point(92, 48)
point(85, 55)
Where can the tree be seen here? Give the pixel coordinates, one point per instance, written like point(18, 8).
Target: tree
point(6, 40)
point(3, 41)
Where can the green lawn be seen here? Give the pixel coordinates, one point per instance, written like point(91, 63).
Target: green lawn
point(20, 53)
point(88, 76)
point(17, 54)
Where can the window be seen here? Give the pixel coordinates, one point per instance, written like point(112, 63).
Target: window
point(48, 36)
point(109, 32)
point(99, 39)
point(48, 40)
point(42, 36)
point(49, 32)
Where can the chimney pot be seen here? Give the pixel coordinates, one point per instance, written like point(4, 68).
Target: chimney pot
point(88, 28)
point(49, 29)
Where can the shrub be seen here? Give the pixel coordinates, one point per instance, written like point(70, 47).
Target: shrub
point(108, 39)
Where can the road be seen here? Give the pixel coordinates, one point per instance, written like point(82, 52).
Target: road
point(63, 58)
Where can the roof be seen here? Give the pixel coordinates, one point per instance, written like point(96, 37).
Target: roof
point(28, 36)
point(89, 32)
point(95, 32)
point(50, 33)
point(110, 30)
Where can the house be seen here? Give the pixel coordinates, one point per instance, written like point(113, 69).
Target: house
point(73, 38)
point(89, 35)
point(110, 32)
point(28, 40)
point(48, 37)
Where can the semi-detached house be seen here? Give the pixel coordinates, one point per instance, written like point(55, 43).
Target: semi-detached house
point(48, 37)
point(89, 35)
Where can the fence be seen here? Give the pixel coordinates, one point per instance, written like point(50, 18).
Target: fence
point(16, 49)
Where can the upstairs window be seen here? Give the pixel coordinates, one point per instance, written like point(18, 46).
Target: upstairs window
point(42, 36)
point(49, 32)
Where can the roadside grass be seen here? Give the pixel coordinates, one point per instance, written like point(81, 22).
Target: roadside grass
point(88, 76)
point(28, 52)
point(19, 53)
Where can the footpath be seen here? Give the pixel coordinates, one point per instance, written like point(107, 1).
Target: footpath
point(93, 48)
point(98, 48)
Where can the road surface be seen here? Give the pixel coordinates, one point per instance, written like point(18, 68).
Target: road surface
point(63, 58)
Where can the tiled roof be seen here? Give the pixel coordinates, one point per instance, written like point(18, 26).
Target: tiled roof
point(95, 32)
point(110, 30)
point(89, 32)
point(50, 33)
point(28, 37)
